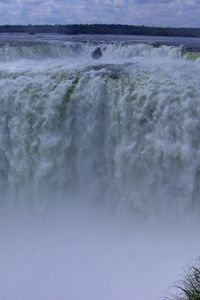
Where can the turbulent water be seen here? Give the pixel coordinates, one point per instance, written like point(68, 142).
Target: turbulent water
point(118, 133)
point(123, 129)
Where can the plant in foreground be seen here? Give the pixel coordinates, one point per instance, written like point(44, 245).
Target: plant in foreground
point(189, 286)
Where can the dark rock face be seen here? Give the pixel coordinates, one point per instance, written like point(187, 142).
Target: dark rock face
point(97, 53)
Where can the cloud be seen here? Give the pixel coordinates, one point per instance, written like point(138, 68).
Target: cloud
point(34, 2)
point(182, 13)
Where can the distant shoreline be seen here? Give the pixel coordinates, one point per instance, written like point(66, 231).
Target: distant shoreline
point(115, 29)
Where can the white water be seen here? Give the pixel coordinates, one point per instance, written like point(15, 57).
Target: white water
point(119, 135)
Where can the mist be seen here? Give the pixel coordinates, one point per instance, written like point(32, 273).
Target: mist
point(99, 168)
point(90, 254)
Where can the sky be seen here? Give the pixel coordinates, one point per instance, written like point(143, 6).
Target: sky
point(177, 13)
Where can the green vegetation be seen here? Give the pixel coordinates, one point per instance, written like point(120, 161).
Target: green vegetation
point(75, 29)
point(71, 89)
point(67, 98)
point(192, 55)
point(189, 287)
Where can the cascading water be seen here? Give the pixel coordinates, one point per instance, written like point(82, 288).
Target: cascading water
point(79, 134)
point(125, 131)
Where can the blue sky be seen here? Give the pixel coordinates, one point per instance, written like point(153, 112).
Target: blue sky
point(184, 13)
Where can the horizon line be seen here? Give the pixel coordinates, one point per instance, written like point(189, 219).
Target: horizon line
point(99, 24)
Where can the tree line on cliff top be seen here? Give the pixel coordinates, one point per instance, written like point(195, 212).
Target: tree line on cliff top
point(101, 29)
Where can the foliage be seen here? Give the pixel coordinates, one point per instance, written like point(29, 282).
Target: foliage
point(74, 29)
point(189, 286)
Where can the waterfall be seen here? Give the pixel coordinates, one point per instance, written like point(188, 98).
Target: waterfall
point(122, 130)
point(99, 168)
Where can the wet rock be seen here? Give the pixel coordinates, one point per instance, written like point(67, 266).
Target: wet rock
point(156, 45)
point(97, 53)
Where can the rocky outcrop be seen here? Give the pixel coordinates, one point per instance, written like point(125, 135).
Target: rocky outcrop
point(97, 53)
